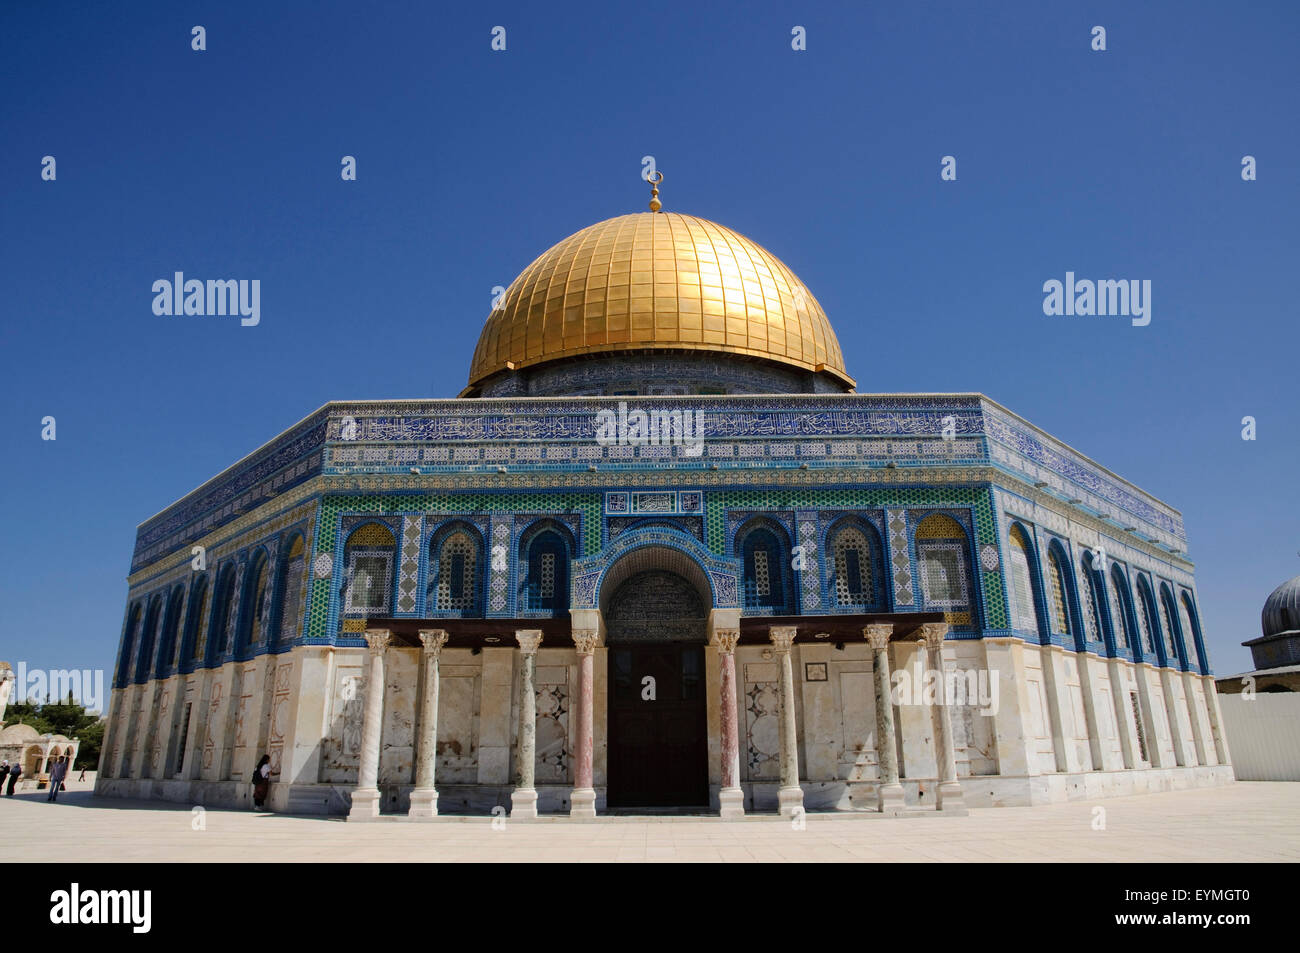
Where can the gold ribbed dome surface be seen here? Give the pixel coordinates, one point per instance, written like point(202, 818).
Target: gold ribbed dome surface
point(656, 281)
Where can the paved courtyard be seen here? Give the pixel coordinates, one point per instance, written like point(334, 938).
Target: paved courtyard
point(1247, 821)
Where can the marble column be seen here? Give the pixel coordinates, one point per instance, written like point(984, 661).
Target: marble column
point(949, 796)
point(1100, 755)
point(1198, 728)
point(1216, 719)
point(424, 798)
point(789, 796)
point(889, 795)
point(731, 799)
point(1125, 720)
point(1167, 676)
point(523, 800)
point(1067, 757)
point(365, 797)
point(1155, 755)
point(582, 802)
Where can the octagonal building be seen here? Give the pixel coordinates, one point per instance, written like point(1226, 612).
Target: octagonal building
point(659, 555)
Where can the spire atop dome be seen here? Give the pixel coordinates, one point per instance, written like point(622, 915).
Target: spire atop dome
point(655, 204)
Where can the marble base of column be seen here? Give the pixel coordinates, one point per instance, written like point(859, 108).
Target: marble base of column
point(861, 796)
point(424, 804)
point(889, 799)
point(949, 798)
point(788, 799)
point(731, 803)
point(582, 802)
point(365, 805)
point(523, 804)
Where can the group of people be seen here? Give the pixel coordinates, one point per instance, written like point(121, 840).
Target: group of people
point(58, 773)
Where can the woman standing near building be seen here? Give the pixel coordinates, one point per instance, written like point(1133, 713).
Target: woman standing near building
point(261, 781)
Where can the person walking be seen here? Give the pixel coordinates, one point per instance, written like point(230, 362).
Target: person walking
point(15, 771)
point(261, 781)
point(57, 773)
point(82, 776)
point(4, 771)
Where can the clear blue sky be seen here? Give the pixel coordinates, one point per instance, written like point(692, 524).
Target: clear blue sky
point(226, 164)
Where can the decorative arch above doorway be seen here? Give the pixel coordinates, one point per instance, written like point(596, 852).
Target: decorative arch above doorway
point(596, 577)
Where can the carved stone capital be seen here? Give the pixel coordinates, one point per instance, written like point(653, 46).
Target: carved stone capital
point(529, 640)
point(933, 633)
point(378, 639)
point(725, 640)
point(878, 634)
point(586, 640)
point(433, 640)
point(782, 636)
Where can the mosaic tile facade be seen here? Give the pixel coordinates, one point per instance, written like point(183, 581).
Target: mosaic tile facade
point(900, 562)
point(792, 458)
point(809, 588)
point(408, 579)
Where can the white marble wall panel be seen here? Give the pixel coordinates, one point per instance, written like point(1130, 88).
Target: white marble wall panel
point(459, 689)
point(397, 744)
point(761, 701)
point(341, 747)
point(554, 702)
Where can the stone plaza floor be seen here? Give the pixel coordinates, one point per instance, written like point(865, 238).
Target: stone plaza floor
point(1246, 821)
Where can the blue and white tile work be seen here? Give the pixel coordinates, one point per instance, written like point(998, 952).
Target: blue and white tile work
point(797, 443)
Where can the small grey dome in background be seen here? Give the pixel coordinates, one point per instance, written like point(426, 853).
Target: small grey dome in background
point(1282, 608)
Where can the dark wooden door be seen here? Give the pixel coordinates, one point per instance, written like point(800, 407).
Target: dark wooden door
point(658, 749)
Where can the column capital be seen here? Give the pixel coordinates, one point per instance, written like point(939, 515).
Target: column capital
point(378, 639)
point(433, 640)
point(933, 633)
point(782, 636)
point(529, 640)
point(586, 640)
point(878, 634)
point(725, 640)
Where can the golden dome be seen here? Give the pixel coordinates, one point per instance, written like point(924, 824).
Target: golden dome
point(656, 281)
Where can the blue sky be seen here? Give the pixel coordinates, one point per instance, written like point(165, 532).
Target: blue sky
point(225, 163)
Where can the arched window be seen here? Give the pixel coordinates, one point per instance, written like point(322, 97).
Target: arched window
point(1166, 623)
point(1146, 622)
point(1119, 604)
point(546, 583)
point(943, 556)
point(456, 579)
point(150, 638)
point(1089, 601)
point(170, 649)
point(1020, 582)
point(196, 635)
point(1191, 626)
point(219, 626)
point(369, 558)
point(255, 604)
point(764, 551)
point(1057, 599)
point(289, 614)
point(855, 582)
point(128, 646)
